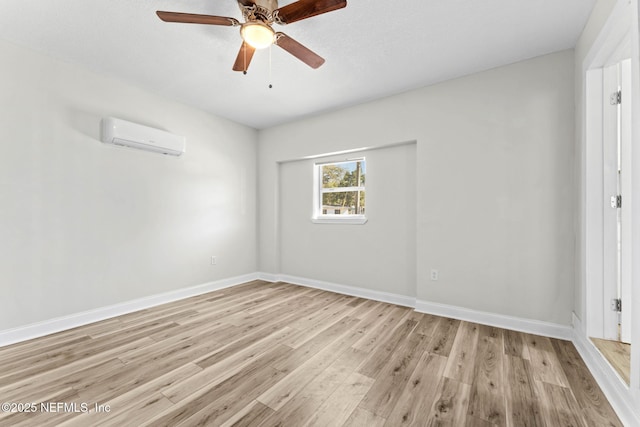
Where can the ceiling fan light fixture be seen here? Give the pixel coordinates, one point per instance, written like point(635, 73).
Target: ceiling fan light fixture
point(257, 34)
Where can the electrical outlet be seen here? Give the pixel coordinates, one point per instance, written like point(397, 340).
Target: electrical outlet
point(214, 260)
point(434, 274)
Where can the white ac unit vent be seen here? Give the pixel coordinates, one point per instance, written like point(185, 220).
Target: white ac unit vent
point(127, 134)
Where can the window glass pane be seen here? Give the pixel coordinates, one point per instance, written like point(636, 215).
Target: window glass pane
point(344, 203)
point(347, 174)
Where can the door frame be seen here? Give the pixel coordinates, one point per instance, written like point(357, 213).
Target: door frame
point(621, 28)
point(617, 122)
point(597, 210)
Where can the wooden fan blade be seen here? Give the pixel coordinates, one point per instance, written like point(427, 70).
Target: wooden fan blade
point(303, 9)
point(192, 18)
point(244, 57)
point(299, 51)
point(247, 2)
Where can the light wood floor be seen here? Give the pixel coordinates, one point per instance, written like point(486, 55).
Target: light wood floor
point(618, 354)
point(264, 354)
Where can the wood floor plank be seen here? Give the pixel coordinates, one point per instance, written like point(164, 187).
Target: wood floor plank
point(248, 345)
point(25, 387)
point(544, 361)
point(515, 345)
point(279, 395)
point(523, 408)
point(444, 336)
point(313, 346)
point(146, 398)
point(332, 307)
point(427, 324)
point(224, 398)
point(369, 314)
point(249, 416)
point(339, 406)
point(450, 404)
point(487, 390)
point(34, 344)
point(371, 339)
point(304, 404)
point(225, 367)
point(66, 355)
point(363, 418)
point(143, 409)
point(105, 386)
point(559, 406)
point(212, 328)
point(41, 416)
point(150, 327)
point(276, 354)
point(472, 421)
point(264, 323)
point(79, 380)
point(12, 360)
point(170, 316)
point(415, 400)
point(595, 407)
point(618, 354)
point(271, 311)
point(338, 312)
point(394, 375)
point(300, 298)
point(190, 348)
point(232, 305)
point(227, 404)
point(385, 351)
point(461, 361)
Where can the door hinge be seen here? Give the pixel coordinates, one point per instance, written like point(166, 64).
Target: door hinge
point(616, 98)
point(616, 202)
point(616, 305)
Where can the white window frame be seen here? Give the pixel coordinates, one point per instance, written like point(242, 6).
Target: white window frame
point(318, 217)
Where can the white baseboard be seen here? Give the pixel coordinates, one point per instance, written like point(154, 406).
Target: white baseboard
point(612, 385)
point(530, 326)
point(388, 297)
point(268, 277)
point(39, 329)
point(537, 327)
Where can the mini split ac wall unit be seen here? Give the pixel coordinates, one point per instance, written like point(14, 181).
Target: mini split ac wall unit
point(127, 134)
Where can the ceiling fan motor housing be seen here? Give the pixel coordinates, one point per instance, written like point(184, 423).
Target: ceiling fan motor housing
point(261, 10)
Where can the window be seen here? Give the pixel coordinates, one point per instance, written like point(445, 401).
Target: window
point(340, 192)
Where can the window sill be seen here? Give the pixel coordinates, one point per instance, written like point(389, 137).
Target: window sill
point(338, 219)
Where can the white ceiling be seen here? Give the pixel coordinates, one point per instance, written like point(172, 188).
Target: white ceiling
point(372, 48)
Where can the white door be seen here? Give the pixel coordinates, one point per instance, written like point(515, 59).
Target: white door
point(617, 193)
point(625, 191)
point(610, 212)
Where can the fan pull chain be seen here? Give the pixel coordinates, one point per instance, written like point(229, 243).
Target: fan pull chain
point(270, 85)
point(244, 52)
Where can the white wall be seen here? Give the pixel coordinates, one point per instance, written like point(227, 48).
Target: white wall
point(85, 225)
point(379, 255)
point(494, 184)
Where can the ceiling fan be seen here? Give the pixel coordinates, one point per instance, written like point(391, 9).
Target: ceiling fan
point(257, 31)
